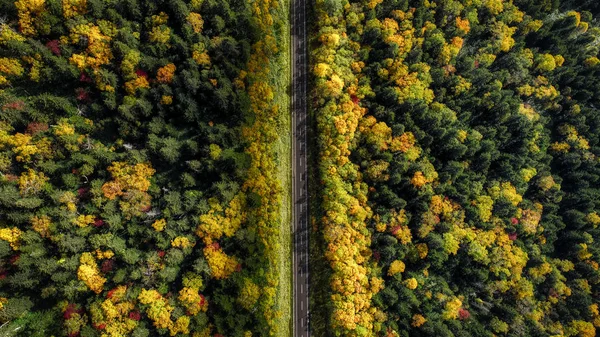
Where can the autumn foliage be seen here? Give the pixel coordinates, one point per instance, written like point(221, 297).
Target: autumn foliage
point(139, 191)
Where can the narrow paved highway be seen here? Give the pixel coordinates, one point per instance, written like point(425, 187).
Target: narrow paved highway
point(299, 174)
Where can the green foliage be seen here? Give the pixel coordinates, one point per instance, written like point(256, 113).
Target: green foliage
point(498, 189)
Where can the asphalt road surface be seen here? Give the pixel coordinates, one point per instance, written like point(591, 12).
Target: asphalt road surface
point(299, 174)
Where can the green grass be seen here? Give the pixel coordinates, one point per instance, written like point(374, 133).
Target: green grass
point(281, 77)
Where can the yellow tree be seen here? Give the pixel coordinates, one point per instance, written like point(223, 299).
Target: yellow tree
point(89, 273)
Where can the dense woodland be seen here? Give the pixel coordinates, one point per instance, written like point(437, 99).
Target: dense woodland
point(458, 167)
point(138, 190)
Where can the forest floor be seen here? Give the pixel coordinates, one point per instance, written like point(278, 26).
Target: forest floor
point(281, 76)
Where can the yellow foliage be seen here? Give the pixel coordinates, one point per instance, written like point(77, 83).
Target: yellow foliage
point(201, 58)
point(90, 275)
point(36, 64)
point(402, 233)
point(98, 50)
point(166, 100)
point(593, 218)
point(134, 203)
point(373, 3)
point(130, 63)
point(413, 153)
point(450, 51)
point(10, 67)
point(540, 271)
point(180, 326)
point(523, 289)
point(411, 283)
point(546, 92)
point(410, 85)
point(560, 147)
point(72, 8)
point(159, 310)
point(221, 265)
point(485, 204)
point(112, 189)
point(214, 151)
point(396, 267)
point(249, 294)
point(463, 85)
point(84, 220)
point(127, 177)
point(193, 281)
point(507, 191)
point(334, 86)
point(451, 309)
point(503, 36)
point(529, 112)
point(69, 199)
point(380, 227)
point(591, 61)
point(463, 24)
point(101, 255)
point(332, 40)
point(403, 143)
point(376, 170)
point(192, 300)
point(217, 223)
point(494, 6)
point(418, 320)
point(160, 34)
point(165, 74)
point(160, 19)
point(29, 11)
point(7, 34)
point(546, 62)
point(418, 179)
point(159, 225)
point(593, 311)
point(12, 236)
point(22, 147)
point(451, 244)
point(583, 253)
point(31, 182)
point(196, 21)
point(486, 59)
point(531, 218)
point(583, 328)
point(63, 128)
point(321, 70)
point(422, 250)
point(140, 82)
point(41, 224)
point(181, 242)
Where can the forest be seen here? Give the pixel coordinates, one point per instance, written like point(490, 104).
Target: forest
point(145, 168)
point(457, 167)
point(139, 191)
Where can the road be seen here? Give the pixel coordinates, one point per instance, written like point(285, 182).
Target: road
point(299, 173)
